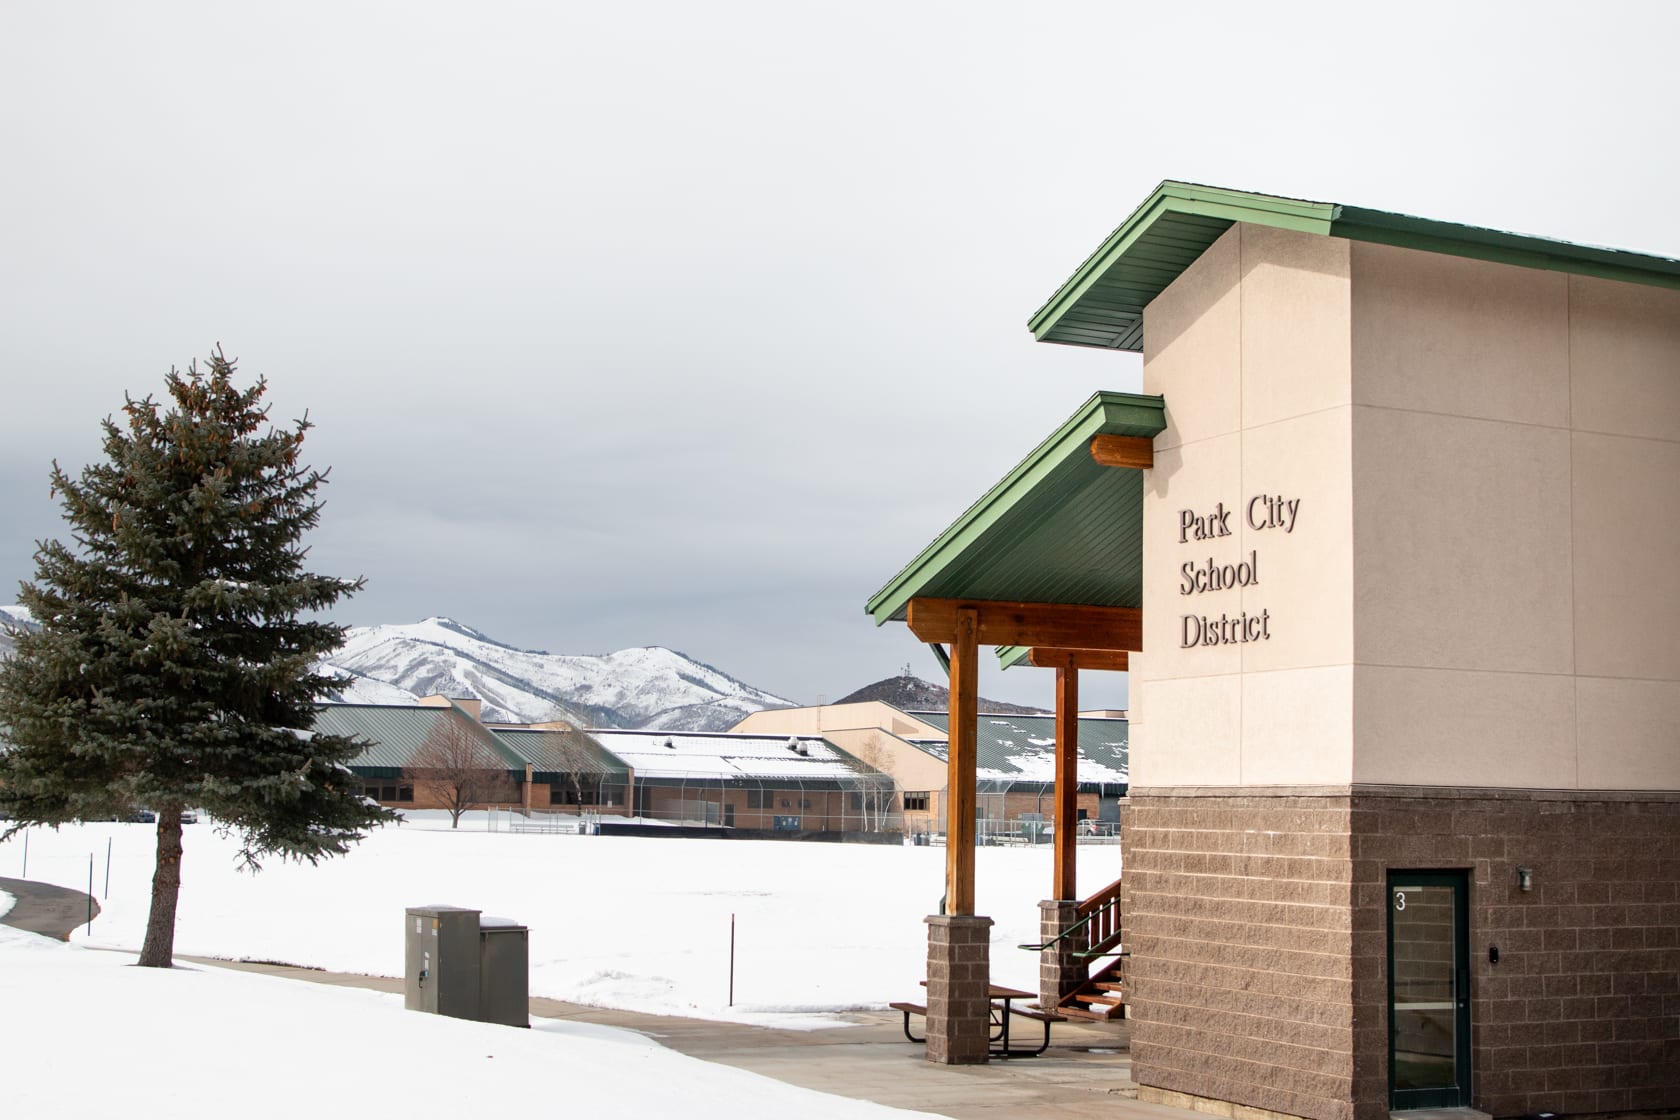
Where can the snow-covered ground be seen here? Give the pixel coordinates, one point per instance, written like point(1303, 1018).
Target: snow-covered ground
point(85, 1035)
point(616, 921)
point(631, 922)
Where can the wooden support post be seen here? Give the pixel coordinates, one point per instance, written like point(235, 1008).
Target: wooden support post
point(960, 790)
point(1066, 881)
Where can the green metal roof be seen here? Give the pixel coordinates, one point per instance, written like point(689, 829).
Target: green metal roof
point(1058, 528)
point(1022, 748)
point(1102, 303)
point(393, 732)
point(552, 752)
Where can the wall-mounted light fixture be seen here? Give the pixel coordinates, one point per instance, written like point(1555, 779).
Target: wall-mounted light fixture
point(1525, 879)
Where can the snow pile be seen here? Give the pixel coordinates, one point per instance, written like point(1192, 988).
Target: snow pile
point(100, 1038)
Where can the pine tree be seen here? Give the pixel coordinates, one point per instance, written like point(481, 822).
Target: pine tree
point(174, 664)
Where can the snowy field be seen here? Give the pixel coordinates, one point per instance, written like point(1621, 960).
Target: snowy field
point(85, 1035)
point(615, 921)
point(630, 922)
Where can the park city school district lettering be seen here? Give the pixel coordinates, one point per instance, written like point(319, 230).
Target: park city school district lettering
point(1261, 512)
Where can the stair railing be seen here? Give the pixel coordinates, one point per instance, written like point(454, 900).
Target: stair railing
point(1101, 915)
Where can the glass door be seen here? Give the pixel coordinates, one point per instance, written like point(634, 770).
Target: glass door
point(1428, 989)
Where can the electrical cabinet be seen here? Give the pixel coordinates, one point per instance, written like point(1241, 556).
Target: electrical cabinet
point(504, 972)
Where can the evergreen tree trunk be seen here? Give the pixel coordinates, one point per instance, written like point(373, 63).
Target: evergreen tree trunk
point(158, 950)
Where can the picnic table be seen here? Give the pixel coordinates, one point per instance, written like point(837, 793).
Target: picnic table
point(1003, 1007)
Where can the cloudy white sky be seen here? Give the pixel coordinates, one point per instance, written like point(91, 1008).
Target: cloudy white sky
point(688, 324)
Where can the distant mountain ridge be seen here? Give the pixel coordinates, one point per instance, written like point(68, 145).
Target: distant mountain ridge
point(647, 687)
point(910, 693)
point(13, 616)
point(650, 687)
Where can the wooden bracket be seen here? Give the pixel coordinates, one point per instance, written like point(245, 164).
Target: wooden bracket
point(1130, 452)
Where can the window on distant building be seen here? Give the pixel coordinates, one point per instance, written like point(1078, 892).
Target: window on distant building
point(916, 801)
point(761, 799)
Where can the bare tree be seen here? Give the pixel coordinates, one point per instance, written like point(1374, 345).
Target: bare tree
point(572, 758)
point(456, 768)
point(876, 791)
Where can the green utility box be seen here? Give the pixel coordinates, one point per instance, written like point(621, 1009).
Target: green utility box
point(504, 972)
point(460, 964)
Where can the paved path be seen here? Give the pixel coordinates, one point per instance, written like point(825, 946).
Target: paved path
point(1085, 1075)
point(44, 909)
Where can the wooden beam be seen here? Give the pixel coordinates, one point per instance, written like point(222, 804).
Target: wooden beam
point(1112, 660)
point(1001, 623)
point(1131, 452)
point(961, 797)
point(1065, 884)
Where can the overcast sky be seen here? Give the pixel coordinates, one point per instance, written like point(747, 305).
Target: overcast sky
point(688, 324)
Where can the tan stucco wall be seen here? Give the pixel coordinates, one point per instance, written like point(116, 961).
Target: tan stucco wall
point(1480, 587)
point(1250, 349)
point(1516, 443)
point(820, 719)
point(911, 768)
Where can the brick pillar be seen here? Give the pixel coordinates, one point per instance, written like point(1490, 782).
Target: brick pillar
point(958, 975)
point(1059, 970)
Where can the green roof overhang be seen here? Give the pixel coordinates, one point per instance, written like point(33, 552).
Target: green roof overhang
point(1102, 303)
point(1059, 527)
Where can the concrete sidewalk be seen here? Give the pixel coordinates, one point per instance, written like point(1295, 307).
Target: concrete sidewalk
point(1086, 1072)
point(46, 909)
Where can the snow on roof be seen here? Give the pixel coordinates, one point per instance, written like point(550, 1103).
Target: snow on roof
point(722, 755)
point(1023, 748)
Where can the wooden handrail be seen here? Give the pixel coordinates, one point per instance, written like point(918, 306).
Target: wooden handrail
point(1100, 916)
point(1102, 912)
point(1108, 894)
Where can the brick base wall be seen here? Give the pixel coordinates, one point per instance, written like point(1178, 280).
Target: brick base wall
point(1582, 1012)
point(958, 994)
point(1237, 913)
point(1258, 932)
point(1061, 970)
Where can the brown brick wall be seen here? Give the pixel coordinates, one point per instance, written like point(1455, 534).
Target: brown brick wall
point(1010, 806)
point(1237, 917)
point(1582, 1012)
point(1258, 932)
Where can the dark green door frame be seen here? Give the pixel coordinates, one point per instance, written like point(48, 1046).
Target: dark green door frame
point(1428, 989)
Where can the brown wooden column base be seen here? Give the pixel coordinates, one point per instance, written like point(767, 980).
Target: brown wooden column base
point(958, 986)
point(1059, 970)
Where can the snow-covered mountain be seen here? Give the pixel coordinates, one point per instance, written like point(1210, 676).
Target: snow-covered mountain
point(13, 616)
point(647, 687)
point(650, 687)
